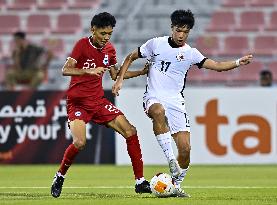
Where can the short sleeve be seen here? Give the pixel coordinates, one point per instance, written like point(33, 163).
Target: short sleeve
point(146, 50)
point(197, 58)
point(77, 50)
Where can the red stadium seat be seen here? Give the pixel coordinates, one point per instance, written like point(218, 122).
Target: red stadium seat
point(38, 23)
point(208, 45)
point(56, 46)
point(251, 21)
point(84, 4)
point(222, 21)
point(235, 3)
point(68, 24)
point(1, 50)
point(52, 5)
point(235, 46)
point(195, 75)
point(273, 22)
point(248, 73)
point(22, 5)
point(3, 3)
point(218, 77)
point(272, 66)
point(9, 24)
point(259, 3)
point(265, 45)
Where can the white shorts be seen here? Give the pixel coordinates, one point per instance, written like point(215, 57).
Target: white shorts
point(175, 111)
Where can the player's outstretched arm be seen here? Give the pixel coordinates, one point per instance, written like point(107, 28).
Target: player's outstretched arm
point(69, 69)
point(136, 73)
point(129, 74)
point(227, 65)
point(126, 64)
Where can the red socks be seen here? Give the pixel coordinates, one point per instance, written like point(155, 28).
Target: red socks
point(134, 152)
point(68, 157)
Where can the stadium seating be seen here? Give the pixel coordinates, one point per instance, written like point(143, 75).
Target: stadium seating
point(248, 73)
point(21, 5)
point(235, 3)
point(223, 30)
point(68, 24)
point(195, 75)
point(9, 24)
point(2, 3)
point(245, 3)
point(56, 45)
point(38, 23)
point(214, 77)
point(84, 4)
point(222, 21)
point(251, 21)
point(273, 22)
point(272, 66)
point(208, 45)
point(1, 49)
point(265, 45)
point(235, 45)
point(52, 5)
point(265, 3)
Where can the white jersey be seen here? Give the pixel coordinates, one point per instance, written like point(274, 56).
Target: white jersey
point(169, 66)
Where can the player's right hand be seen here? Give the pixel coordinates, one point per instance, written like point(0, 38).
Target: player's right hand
point(116, 87)
point(245, 59)
point(96, 71)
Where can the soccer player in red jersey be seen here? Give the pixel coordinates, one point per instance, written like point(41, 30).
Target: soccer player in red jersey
point(90, 58)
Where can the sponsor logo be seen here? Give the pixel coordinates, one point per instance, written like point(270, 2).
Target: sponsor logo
point(106, 60)
point(78, 113)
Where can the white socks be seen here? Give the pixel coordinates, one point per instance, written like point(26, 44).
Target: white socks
point(140, 180)
point(180, 178)
point(164, 141)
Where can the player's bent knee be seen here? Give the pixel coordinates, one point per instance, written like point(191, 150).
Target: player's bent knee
point(79, 144)
point(157, 113)
point(130, 132)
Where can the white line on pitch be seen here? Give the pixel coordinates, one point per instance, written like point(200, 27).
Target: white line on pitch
point(131, 187)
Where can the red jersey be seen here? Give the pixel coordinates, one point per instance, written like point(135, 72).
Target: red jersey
point(87, 56)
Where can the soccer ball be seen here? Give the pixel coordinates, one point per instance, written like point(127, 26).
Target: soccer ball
point(162, 185)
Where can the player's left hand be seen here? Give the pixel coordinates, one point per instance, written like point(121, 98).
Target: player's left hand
point(116, 87)
point(245, 59)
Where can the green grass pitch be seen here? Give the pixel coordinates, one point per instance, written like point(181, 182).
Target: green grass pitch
point(107, 184)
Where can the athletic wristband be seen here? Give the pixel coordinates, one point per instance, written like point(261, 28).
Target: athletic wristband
point(237, 62)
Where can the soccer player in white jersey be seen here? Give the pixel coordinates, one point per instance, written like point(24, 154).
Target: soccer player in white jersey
point(170, 59)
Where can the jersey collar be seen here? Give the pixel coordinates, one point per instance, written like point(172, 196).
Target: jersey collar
point(90, 42)
point(172, 43)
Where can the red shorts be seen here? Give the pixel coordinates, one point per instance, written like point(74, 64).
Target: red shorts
point(98, 111)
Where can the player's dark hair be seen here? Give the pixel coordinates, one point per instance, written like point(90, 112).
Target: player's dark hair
point(19, 34)
point(103, 20)
point(182, 18)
